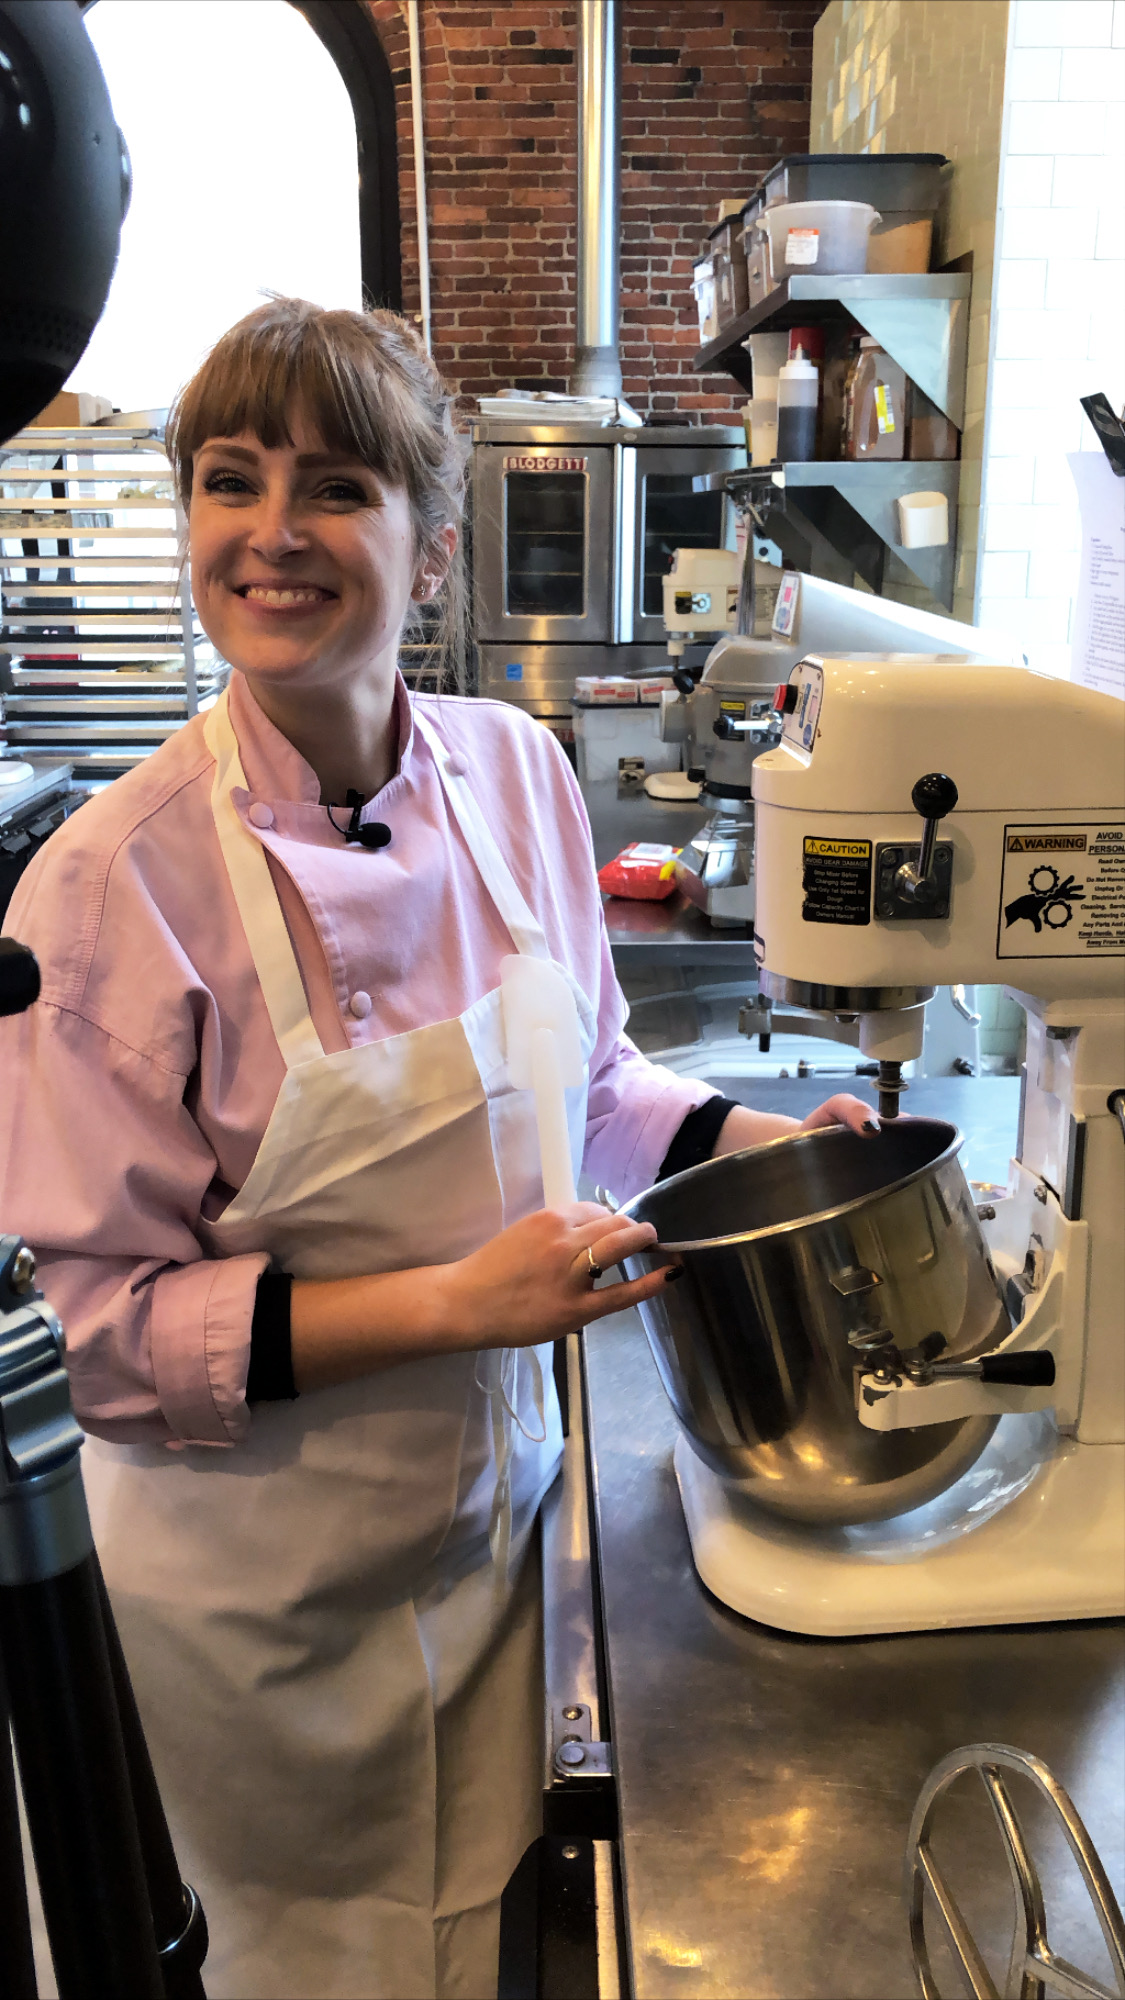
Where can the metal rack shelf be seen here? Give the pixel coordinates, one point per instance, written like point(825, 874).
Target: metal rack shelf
point(921, 319)
point(101, 651)
point(833, 517)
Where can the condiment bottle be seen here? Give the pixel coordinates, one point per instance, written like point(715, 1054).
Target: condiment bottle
point(798, 393)
point(875, 405)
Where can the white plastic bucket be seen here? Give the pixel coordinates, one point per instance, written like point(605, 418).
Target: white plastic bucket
point(923, 520)
point(818, 238)
point(602, 736)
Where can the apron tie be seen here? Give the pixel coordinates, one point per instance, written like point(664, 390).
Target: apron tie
point(501, 1373)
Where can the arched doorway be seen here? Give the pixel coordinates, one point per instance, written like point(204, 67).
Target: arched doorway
point(352, 40)
point(265, 159)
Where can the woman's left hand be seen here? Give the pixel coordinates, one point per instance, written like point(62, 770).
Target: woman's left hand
point(744, 1127)
point(842, 1110)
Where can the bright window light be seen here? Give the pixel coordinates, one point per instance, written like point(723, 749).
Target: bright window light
point(242, 138)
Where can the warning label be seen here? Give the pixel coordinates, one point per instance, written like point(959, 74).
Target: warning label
point(836, 881)
point(1045, 843)
point(1062, 891)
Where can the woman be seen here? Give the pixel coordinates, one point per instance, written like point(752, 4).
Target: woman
point(262, 1137)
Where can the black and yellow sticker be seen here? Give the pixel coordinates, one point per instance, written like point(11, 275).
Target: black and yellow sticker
point(836, 880)
point(732, 708)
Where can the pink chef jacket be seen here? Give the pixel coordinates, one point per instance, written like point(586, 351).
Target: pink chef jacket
point(135, 1094)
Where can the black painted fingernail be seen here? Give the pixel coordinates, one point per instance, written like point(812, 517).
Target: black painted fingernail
point(673, 1272)
point(870, 1125)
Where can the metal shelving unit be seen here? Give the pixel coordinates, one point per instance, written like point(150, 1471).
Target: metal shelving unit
point(921, 320)
point(835, 517)
point(101, 651)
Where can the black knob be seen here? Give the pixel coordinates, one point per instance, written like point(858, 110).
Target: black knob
point(1026, 1371)
point(683, 681)
point(696, 773)
point(19, 977)
point(934, 796)
point(724, 729)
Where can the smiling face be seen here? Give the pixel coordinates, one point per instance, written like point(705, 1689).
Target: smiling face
point(303, 561)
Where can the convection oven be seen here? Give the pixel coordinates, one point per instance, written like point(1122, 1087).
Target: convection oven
point(573, 530)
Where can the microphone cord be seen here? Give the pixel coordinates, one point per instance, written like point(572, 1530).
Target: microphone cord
point(375, 835)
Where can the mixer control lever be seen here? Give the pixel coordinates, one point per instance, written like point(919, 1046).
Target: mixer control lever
point(911, 884)
point(932, 797)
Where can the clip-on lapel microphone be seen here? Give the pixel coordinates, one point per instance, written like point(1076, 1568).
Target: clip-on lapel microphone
point(376, 834)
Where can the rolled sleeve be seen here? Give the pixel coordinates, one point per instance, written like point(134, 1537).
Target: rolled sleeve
point(635, 1110)
point(635, 1107)
point(201, 1320)
point(103, 1171)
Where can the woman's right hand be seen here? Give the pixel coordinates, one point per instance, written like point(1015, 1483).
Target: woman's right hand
point(533, 1282)
point(529, 1284)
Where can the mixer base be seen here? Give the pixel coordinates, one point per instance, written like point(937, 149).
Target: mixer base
point(1034, 1531)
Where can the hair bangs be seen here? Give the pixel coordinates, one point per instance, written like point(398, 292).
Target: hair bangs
point(262, 378)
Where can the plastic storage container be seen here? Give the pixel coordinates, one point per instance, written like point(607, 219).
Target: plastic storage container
point(602, 736)
point(904, 187)
point(768, 354)
point(817, 238)
point(731, 291)
point(756, 251)
point(874, 405)
point(703, 285)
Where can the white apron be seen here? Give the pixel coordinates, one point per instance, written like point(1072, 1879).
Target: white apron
point(342, 1693)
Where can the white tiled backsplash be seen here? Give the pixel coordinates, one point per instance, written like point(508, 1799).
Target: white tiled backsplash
point(1059, 308)
point(1027, 98)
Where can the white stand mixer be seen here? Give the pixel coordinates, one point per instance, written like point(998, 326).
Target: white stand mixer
point(1015, 872)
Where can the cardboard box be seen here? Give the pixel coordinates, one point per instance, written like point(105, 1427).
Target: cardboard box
point(70, 409)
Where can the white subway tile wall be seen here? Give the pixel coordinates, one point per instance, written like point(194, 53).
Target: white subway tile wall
point(1027, 97)
point(926, 76)
point(1058, 309)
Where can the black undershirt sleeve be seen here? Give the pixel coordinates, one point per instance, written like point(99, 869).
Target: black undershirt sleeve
point(695, 1140)
point(269, 1377)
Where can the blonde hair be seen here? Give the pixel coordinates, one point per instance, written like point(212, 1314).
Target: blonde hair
point(364, 381)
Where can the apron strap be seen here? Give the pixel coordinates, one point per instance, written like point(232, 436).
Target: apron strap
point(271, 947)
point(525, 931)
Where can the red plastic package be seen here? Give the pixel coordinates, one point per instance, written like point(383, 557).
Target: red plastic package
point(644, 872)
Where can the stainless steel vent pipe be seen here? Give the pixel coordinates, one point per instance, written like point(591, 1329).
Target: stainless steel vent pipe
point(597, 362)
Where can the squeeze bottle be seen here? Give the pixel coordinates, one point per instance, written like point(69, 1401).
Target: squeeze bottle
point(798, 389)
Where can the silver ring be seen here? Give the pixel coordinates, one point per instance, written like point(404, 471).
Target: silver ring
point(595, 1270)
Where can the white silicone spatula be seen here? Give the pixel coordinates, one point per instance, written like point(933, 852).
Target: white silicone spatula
point(544, 1055)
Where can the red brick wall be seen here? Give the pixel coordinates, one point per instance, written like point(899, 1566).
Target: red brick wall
point(711, 96)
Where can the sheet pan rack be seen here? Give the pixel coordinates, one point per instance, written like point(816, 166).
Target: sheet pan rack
point(101, 652)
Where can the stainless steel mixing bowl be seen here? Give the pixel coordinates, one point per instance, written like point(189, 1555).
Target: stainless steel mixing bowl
point(793, 1255)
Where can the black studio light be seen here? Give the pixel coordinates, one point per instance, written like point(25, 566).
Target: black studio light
point(64, 191)
point(119, 1919)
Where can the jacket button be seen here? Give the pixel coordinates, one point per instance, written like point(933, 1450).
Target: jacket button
point(455, 767)
point(360, 1005)
point(260, 815)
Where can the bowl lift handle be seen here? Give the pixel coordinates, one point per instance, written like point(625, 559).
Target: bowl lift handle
point(899, 1391)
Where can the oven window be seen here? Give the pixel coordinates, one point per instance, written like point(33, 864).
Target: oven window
point(673, 517)
point(544, 544)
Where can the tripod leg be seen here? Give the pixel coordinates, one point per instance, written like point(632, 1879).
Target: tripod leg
point(177, 1913)
point(17, 1960)
point(76, 1788)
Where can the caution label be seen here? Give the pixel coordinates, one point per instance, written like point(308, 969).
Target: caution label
point(1062, 891)
point(836, 881)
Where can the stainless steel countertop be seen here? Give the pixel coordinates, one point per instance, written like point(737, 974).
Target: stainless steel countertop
point(766, 1782)
point(673, 932)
